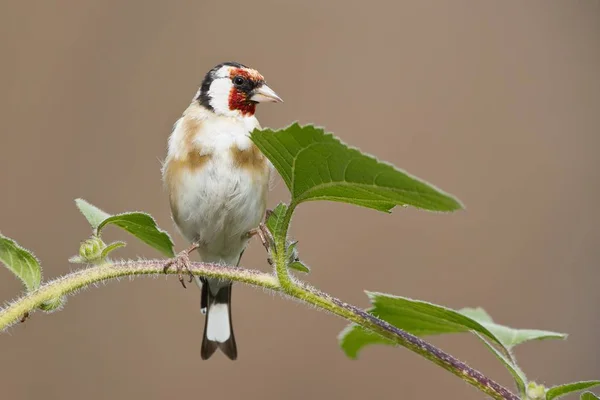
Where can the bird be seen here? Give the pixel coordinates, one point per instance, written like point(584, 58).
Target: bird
point(217, 181)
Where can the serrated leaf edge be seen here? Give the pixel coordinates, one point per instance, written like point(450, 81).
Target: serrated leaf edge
point(334, 139)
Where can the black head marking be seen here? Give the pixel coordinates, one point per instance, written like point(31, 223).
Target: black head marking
point(203, 97)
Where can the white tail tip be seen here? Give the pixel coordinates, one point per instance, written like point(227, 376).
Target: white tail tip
point(217, 324)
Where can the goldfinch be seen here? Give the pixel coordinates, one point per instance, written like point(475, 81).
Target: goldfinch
point(217, 181)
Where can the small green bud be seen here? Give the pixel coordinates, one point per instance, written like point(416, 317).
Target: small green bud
point(91, 250)
point(292, 252)
point(293, 258)
point(54, 304)
point(535, 391)
point(95, 251)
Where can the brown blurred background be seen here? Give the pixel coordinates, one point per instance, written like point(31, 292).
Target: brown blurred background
point(496, 102)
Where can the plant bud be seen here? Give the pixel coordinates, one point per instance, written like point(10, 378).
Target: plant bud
point(91, 249)
point(535, 391)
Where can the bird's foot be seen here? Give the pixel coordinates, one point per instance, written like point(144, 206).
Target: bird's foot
point(263, 234)
point(181, 262)
point(265, 238)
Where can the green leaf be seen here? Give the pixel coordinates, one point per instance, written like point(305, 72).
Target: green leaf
point(317, 166)
point(292, 252)
point(298, 266)
point(589, 396)
point(275, 221)
point(354, 337)
point(509, 337)
point(422, 318)
point(27, 268)
point(562, 390)
point(515, 371)
point(477, 313)
point(417, 317)
point(21, 262)
point(93, 214)
point(110, 248)
point(142, 226)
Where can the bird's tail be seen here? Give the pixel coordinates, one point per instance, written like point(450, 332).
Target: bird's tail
point(218, 330)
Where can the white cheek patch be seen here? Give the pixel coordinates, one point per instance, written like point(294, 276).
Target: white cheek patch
point(219, 96)
point(217, 325)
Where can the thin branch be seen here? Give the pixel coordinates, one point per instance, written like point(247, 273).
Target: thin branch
point(82, 278)
point(70, 283)
point(423, 348)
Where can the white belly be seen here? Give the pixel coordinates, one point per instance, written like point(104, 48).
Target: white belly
point(217, 205)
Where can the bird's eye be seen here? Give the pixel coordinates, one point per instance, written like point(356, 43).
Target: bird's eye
point(239, 81)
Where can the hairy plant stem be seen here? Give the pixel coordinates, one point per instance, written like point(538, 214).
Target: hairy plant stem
point(280, 256)
point(85, 277)
point(301, 291)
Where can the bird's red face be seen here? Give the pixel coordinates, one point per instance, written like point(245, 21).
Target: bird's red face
point(234, 90)
point(244, 81)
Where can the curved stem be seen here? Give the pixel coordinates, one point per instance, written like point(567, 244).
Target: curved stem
point(405, 339)
point(82, 278)
point(85, 277)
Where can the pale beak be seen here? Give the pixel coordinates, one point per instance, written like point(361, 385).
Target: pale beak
point(264, 94)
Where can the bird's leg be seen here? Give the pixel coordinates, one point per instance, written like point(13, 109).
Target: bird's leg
point(265, 237)
point(263, 233)
point(182, 263)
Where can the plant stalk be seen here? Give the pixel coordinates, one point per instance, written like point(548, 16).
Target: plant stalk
point(281, 262)
point(85, 277)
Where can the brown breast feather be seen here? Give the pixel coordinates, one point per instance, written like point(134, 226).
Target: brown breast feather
point(191, 161)
point(250, 159)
